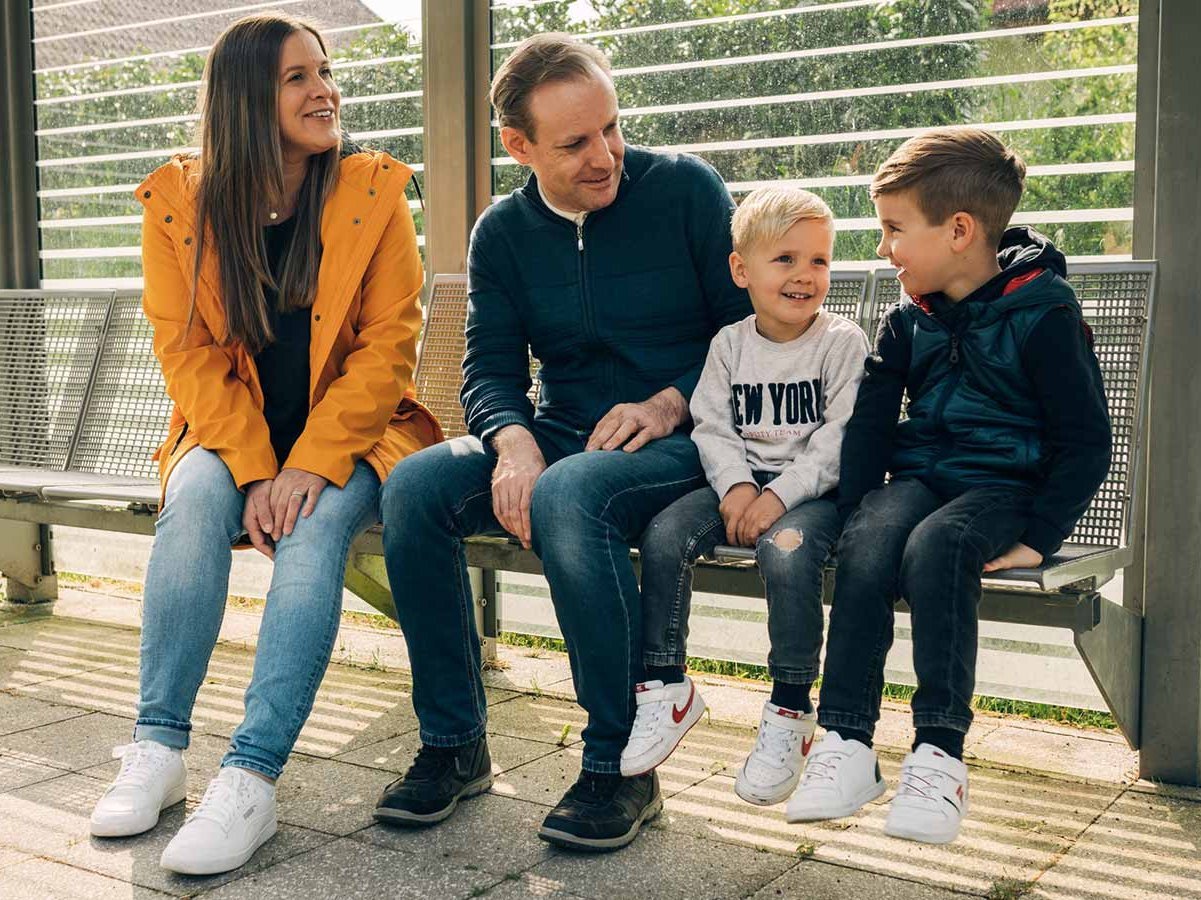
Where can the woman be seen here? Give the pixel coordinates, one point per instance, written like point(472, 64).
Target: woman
point(282, 279)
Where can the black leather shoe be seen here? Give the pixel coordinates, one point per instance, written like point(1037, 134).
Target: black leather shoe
point(602, 812)
point(433, 786)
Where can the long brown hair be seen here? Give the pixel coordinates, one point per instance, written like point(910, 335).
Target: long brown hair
point(242, 168)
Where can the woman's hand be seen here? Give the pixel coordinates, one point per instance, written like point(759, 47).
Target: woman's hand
point(293, 492)
point(256, 516)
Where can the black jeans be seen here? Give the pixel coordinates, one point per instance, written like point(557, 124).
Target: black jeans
point(906, 541)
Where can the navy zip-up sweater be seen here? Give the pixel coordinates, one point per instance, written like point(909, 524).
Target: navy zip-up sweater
point(1004, 389)
point(615, 313)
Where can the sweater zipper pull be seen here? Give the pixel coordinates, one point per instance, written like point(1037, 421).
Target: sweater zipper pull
point(954, 349)
point(579, 235)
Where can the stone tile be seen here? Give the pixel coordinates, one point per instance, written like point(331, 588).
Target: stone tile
point(820, 881)
point(664, 865)
point(50, 817)
point(20, 613)
point(48, 880)
point(396, 754)
point(19, 713)
point(546, 779)
point(496, 834)
point(135, 860)
point(77, 743)
point(531, 669)
point(330, 796)
point(101, 643)
point(530, 886)
point(47, 657)
point(1018, 825)
point(1160, 789)
point(349, 869)
point(1143, 847)
point(1077, 754)
point(538, 718)
point(12, 857)
point(16, 772)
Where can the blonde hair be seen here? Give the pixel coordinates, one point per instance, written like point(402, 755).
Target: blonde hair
point(766, 214)
point(954, 170)
point(539, 60)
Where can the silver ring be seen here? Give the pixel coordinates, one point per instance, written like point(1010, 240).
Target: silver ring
point(298, 493)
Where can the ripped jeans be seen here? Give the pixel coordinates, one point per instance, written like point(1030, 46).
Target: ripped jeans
point(792, 578)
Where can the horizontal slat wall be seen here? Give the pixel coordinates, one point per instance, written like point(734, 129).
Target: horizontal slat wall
point(818, 94)
point(117, 89)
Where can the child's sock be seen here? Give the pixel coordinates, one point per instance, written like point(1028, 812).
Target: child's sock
point(792, 696)
point(851, 734)
point(666, 674)
point(948, 740)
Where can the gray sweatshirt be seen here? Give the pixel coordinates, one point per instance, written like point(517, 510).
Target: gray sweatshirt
point(776, 408)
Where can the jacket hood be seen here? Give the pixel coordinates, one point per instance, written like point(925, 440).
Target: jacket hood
point(1023, 249)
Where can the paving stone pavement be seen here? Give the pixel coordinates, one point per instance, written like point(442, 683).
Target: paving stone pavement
point(1056, 812)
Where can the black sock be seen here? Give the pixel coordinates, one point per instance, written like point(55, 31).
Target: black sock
point(850, 734)
point(948, 740)
point(792, 696)
point(666, 674)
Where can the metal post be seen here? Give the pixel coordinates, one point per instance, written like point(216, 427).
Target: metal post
point(448, 36)
point(19, 262)
point(1171, 695)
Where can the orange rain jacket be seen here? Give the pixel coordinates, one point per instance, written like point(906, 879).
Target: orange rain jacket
point(366, 319)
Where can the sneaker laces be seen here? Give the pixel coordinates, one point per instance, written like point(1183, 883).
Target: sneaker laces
point(822, 766)
point(776, 743)
point(141, 761)
point(221, 801)
point(430, 763)
point(920, 783)
point(593, 788)
point(646, 719)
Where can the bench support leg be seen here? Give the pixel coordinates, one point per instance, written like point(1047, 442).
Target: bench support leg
point(1113, 652)
point(488, 615)
point(367, 578)
point(27, 561)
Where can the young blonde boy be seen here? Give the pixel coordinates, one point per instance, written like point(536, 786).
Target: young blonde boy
point(1006, 439)
point(769, 411)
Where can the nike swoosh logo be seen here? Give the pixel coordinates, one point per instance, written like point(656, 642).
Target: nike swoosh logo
point(806, 743)
point(677, 714)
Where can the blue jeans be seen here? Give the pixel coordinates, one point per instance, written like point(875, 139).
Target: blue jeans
point(187, 580)
point(792, 579)
point(904, 540)
point(586, 512)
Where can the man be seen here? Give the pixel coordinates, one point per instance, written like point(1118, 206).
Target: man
point(610, 264)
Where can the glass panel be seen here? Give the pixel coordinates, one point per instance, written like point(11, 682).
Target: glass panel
point(820, 93)
point(117, 84)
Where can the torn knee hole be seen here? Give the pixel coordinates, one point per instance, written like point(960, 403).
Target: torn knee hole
point(787, 539)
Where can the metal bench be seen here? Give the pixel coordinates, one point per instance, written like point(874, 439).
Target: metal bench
point(82, 407)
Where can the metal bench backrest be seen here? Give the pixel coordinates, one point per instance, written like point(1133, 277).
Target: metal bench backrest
point(1116, 298)
point(49, 344)
point(439, 375)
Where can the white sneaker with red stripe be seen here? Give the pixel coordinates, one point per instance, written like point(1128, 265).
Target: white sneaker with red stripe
point(932, 799)
point(773, 769)
point(664, 715)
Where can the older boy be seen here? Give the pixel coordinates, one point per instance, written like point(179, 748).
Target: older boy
point(1005, 441)
point(769, 412)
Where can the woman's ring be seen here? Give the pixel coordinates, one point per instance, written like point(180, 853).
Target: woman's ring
point(297, 493)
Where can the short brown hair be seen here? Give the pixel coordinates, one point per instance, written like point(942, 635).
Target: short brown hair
point(955, 170)
point(536, 61)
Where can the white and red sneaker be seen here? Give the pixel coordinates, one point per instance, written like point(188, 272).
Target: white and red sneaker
point(932, 799)
point(771, 772)
point(664, 715)
point(840, 777)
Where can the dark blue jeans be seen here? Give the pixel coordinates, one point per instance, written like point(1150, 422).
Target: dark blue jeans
point(587, 510)
point(792, 578)
point(906, 541)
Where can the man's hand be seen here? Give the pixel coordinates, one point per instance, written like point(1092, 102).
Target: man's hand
point(734, 506)
point(293, 492)
point(759, 516)
point(519, 463)
point(1019, 556)
point(634, 425)
point(256, 516)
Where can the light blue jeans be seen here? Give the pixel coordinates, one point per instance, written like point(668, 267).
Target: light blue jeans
point(187, 581)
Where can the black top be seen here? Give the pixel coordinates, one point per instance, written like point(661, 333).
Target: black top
point(284, 363)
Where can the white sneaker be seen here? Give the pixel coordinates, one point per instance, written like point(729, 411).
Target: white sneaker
point(774, 767)
point(235, 818)
point(840, 777)
point(932, 799)
point(664, 715)
point(152, 778)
